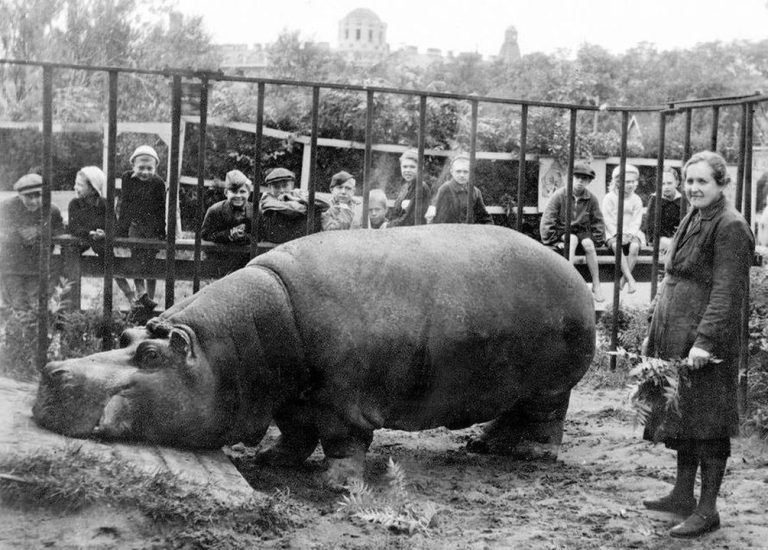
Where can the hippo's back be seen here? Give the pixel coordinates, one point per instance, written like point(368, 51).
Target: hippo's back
point(421, 314)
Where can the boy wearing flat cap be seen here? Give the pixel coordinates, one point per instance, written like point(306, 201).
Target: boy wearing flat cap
point(587, 226)
point(20, 232)
point(283, 209)
point(344, 212)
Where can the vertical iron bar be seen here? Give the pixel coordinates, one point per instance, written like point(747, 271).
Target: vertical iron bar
point(313, 159)
point(521, 180)
point(417, 220)
point(109, 223)
point(714, 129)
point(44, 257)
point(201, 148)
point(173, 193)
point(686, 156)
point(657, 213)
point(472, 162)
point(749, 135)
point(619, 231)
point(569, 185)
point(258, 178)
point(747, 212)
point(367, 160)
point(742, 155)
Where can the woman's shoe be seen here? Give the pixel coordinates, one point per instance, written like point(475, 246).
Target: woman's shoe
point(671, 505)
point(696, 525)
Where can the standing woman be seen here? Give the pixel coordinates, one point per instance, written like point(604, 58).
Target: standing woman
point(698, 317)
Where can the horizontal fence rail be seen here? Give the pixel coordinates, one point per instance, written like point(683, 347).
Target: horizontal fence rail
point(108, 266)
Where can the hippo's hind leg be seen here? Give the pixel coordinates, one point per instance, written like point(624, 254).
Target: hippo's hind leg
point(298, 439)
point(532, 430)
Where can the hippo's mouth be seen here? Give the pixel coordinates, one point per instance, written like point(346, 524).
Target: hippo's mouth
point(82, 406)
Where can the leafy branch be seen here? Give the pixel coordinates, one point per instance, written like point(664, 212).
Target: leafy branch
point(653, 373)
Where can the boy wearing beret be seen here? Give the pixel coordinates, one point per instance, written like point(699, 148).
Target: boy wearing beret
point(344, 212)
point(20, 232)
point(141, 214)
point(587, 226)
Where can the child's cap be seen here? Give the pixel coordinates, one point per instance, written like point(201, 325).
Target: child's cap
point(29, 183)
point(236, 179)
point(278, 176)
point(96, 177)
point(145, 150)
point(340, 178)
point(410, 154)
point(583, 169)
point(629, 169)
point(377, 196)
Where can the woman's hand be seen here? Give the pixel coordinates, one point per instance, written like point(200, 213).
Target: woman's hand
point(698, 357)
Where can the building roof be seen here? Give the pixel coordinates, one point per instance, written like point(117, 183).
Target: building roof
point(362, 13)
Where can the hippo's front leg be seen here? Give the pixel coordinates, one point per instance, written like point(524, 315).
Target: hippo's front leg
point(298, 438)
point(345, 458)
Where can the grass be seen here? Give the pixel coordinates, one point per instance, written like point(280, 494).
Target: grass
point(69, 480)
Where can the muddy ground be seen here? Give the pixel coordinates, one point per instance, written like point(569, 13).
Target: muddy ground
point(590, 498)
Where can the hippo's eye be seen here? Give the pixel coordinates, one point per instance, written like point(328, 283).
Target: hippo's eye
point(147, 356)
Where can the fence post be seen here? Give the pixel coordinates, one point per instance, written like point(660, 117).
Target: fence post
point(109, 223)
point(619, 230)
point(521, 180)
point(44, 258)
point(472, 162)
point(313, 159)
point(569, 184)
point(257, 175)
point(200, 177)
point(367, 158)
point(657, 212)
point(173, 193)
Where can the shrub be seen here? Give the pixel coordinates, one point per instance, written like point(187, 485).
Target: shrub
point(70, 334)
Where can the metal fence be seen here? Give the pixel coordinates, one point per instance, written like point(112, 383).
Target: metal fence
point(182, 78)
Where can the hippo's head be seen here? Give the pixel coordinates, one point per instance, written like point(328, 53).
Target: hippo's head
point(158, 387)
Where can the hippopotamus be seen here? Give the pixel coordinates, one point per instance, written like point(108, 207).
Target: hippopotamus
point(337, 334)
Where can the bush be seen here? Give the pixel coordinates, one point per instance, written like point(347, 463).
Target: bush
point(70, 334)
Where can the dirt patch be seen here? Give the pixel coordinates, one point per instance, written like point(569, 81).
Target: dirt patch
point(590, 498)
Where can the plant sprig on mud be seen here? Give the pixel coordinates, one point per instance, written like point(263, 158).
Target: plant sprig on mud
point(393, 509)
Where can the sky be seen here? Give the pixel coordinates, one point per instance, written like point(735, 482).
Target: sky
point(479, 25)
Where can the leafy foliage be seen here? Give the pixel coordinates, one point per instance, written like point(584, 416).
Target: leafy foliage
point(394, 509)
point(71, 333)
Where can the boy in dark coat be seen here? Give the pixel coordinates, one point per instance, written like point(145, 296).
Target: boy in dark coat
point(229, 221)
point(142, 215)
point(20, 232)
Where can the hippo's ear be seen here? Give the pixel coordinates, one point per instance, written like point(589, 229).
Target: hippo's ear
point(180, 342)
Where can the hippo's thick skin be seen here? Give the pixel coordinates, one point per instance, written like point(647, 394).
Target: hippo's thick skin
point(337, 334)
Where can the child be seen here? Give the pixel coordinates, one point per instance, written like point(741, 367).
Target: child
point(633, 219)
point(451, 200)
point(343, 212)
point(283, 209)
point(20, 242)
point(229, 221)
point(587, 228)
point(671, 203)
point(88, 215)
point(377, 209)
point(404, 210)
point(142, 215)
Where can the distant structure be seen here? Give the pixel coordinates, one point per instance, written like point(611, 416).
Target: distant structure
point(510, 51)
point(363, 36)
point(362, 41)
